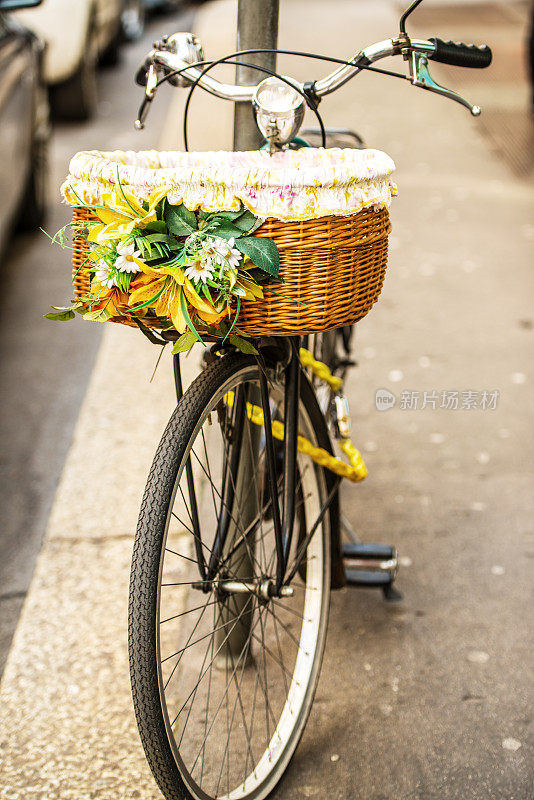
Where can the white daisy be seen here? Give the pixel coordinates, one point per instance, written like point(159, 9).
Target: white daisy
point(200, 270)
point(103, 275)
point(224, 251)
point(125, 260)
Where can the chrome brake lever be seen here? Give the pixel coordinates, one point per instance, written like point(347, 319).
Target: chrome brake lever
point(420, 76)
point(150, 90)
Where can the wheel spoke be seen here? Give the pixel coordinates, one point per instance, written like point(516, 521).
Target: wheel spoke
point(234, 671)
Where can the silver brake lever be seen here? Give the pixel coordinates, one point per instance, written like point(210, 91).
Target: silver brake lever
point(420, 76)
point(150, 90)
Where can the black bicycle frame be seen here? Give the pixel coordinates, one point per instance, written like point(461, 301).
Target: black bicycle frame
point(283, 517)
point(283, 523)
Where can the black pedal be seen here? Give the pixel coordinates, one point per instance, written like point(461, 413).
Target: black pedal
point(371, 565)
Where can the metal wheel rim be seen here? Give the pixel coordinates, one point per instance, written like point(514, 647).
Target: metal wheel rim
point(287, 732)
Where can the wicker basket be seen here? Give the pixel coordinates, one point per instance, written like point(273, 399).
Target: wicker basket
point(333, 270)
point(326, 210)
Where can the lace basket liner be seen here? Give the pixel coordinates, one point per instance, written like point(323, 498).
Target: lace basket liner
point(292, 185)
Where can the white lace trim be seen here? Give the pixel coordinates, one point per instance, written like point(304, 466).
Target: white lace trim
point(292, 185)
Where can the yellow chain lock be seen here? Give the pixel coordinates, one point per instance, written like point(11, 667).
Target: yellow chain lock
point(355, 470)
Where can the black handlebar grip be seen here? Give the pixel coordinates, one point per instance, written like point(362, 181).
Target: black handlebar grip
point(461, 55)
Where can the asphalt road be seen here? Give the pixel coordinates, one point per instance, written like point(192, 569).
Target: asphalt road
point(44, 371)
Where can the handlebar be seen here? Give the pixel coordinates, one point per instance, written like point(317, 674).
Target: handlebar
point(180, 59)
point(172, 62)
point(226, 91)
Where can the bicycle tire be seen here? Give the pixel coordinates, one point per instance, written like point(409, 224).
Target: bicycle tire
point(151, 704)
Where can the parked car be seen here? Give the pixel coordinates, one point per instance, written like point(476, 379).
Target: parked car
point(78, 34)
point(133, 19)
point(164, 5)
point(24, 125)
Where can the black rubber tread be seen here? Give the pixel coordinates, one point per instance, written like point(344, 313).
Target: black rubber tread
point(33, 207)
point(458, 54)
point(146, 555)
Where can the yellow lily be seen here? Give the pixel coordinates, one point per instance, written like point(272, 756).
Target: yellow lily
point(252, 290)
point(165, 295)
point(167, 288)
point(122, 213)
point(113, 300)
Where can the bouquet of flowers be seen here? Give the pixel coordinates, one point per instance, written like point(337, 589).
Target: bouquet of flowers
point(191, 270)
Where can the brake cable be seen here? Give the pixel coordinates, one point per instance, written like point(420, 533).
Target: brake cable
point(307, 93)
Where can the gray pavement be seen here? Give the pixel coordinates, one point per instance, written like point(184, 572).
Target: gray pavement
point(429, 698)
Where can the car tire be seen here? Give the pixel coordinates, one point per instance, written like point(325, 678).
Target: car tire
point(111, 55)
point(76, 98)
point(34, 200)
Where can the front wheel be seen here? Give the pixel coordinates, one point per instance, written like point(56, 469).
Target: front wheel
point(223, 678)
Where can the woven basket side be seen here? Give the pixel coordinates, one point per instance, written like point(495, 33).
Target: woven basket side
point(81, 277)
point(333, 270)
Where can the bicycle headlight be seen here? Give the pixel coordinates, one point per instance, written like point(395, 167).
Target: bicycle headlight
point(279, 110)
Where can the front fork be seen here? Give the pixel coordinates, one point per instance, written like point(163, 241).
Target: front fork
point(283, 521)
point(283, 514)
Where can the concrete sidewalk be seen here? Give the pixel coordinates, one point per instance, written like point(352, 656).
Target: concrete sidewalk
point(426, 699)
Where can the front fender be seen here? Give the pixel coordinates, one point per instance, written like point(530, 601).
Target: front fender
point(338, 577)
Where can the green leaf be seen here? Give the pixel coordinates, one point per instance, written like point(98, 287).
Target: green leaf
point(243, 344)
point(101, 315)
point(61, 316)
point(231, 215)
point(123, 281)
point(180, 220)
point(157, 226)
point(190, 325)
point(232, 326)
point(184, 343)
point(246, 221)
point(262, 252)
point(156, 237)
point(143, 246)
point(206, 293)
point(257, 224)
point(259, 276)
point(225, 229)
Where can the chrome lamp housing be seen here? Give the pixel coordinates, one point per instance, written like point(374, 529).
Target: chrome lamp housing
point(279, 111)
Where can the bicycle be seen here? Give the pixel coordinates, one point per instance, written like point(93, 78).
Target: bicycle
point(239, 543)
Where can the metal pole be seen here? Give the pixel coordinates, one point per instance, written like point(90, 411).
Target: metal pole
point(257, 26)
